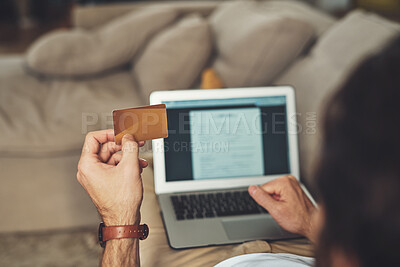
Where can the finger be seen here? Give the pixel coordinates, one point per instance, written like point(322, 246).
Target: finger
point(141, 143)
point(115, 159)
point(94, 140)
point(130, 151)
point(143, 163)
point(272, 187)
point(261, 197)
point(275, 187)
point(107, 150)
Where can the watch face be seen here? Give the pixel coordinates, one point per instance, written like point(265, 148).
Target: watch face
point(102, 243)
point(145, 232)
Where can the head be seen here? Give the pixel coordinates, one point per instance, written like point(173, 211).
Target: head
point(358, 176)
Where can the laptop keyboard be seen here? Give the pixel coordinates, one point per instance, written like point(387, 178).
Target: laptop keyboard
point(217, 204)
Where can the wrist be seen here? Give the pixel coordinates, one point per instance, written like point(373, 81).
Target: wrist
point(112, 232)
point(122, 221)
point(124, 218)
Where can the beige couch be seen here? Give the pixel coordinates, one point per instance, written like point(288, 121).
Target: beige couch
point(42, 120)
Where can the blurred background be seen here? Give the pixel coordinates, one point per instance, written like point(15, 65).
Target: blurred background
point(22, 21)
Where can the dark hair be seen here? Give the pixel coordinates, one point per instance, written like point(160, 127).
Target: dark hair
point(358, 175)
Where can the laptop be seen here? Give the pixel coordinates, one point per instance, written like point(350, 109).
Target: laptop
point(220, 142)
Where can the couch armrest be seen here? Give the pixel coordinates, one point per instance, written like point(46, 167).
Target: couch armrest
point(92, 16)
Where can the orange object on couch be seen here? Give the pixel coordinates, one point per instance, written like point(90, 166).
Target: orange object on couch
point(211, 80)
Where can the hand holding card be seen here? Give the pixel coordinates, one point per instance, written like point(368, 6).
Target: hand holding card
point(144, 123)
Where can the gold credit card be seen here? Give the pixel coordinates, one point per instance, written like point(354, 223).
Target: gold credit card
point(144, 123)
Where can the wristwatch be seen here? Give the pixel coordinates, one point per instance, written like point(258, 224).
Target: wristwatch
point(121, 231)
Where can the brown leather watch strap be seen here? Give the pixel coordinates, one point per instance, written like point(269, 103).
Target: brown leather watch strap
point(125, 231)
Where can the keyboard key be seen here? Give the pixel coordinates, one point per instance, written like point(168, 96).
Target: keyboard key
point(222, 213)
point(209, 215)
point(199, 216)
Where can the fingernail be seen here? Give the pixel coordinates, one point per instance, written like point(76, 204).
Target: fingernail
point(252, 189)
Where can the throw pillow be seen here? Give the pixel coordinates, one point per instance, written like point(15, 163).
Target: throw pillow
point(79, 52)
point(318, 75)
point(254, 47)
point(175, 57)
point(301, 10)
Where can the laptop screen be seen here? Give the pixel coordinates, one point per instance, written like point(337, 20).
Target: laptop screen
point(226, 138)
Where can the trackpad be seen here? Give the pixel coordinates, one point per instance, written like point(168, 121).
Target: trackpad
point(251, 228)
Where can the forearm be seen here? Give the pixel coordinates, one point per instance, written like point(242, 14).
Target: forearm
point(121, 252)
point(312, 231)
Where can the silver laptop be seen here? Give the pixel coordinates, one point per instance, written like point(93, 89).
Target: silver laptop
point(220, 142)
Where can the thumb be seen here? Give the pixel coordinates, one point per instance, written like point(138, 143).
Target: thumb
point(130, 150)
point(261, 197)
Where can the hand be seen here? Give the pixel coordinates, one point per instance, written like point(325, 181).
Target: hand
point(111, 178)
point(287, 203)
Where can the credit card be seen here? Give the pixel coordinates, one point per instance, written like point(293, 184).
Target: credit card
point(144, 123)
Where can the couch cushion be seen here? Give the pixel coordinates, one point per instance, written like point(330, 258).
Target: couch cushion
point(93, 16)
point(327, 67)
point(253, 46)
point(175, 57)
point(295, 9)
point(80, 52)
point(40, 117)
